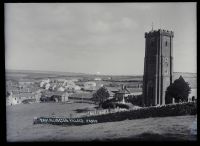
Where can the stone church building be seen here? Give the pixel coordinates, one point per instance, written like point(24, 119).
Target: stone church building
point(158, 66)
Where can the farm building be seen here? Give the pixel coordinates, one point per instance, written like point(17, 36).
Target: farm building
point(82, 96)
point(44, 82)
point(47, 86)
point(58, 96)
point(61, 89)
point(53, 87)
point(11, 83)
point(77, 87)
point(89, 85)
point(17, 97)
point(97, 79)
point(112, 91)
point(124, 92)
point(68, 83)
point(26, 82)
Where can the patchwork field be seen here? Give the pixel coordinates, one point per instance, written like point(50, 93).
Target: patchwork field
point(20, 126)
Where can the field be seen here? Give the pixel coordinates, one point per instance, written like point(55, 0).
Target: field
point(20, 126)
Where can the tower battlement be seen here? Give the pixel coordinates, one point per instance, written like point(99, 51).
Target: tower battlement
point(159, 32)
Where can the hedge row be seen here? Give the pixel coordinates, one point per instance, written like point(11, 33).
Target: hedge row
point(180, 109)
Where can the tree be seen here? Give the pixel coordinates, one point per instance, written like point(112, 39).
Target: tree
point(101, 95)
point(179, 90)
point(134, 99)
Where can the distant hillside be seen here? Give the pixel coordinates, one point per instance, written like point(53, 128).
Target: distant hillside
point(191, 78)
point(28, 74)
point(10, 74)
point(44, 72)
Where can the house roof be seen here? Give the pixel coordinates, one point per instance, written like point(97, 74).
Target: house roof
point(123, 91)
point(10, 88)
point(58, 93)
point(81, 95)
point(23, 94)
point(133, 90)
point(113, 89)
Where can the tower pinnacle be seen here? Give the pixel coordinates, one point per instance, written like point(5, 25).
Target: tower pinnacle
point(152, 26)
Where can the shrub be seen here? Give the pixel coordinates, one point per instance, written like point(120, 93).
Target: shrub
point(120, 105)
point(27, 101)
point(109, 104)
point(135, 100)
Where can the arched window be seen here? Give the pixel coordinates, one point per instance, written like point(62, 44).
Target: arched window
point(166, 43)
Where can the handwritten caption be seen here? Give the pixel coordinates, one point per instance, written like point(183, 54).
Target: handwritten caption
point(75, 121)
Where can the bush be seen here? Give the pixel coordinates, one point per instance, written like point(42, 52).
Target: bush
point(120, 105)
point(135, 100)
point(27, 101)
point(108, 104)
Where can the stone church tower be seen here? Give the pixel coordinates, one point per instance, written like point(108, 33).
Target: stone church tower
point(158, 66)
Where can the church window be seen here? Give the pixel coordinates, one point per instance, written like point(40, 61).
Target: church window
point(166, 43)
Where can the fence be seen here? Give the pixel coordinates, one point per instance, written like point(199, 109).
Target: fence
point(105, 111)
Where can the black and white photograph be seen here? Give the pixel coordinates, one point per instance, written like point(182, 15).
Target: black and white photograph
point(101, 71)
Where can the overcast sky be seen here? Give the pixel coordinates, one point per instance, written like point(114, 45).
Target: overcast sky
point(99, 37)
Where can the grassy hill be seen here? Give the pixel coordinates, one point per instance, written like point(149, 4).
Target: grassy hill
point(20, 126)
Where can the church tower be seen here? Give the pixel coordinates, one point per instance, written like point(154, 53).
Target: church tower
point(158, 66)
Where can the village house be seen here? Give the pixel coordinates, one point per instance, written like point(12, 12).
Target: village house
point(61, 89)
point(58, 96)
point(24, 82)
point(18, 97)
point(44, 82)
point(53, 87)
point(89, 86)
point(125, 92)
point(112, 91)
point(47, 86)
point(97, 79)
point(74, 80)
point(11, 83)
point(69, 83)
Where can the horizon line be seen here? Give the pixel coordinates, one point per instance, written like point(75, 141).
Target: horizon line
point(86, 73)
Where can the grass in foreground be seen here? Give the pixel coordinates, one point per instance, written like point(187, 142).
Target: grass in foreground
point(20, 126)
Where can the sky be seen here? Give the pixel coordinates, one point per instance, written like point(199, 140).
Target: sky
point(103, 38)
